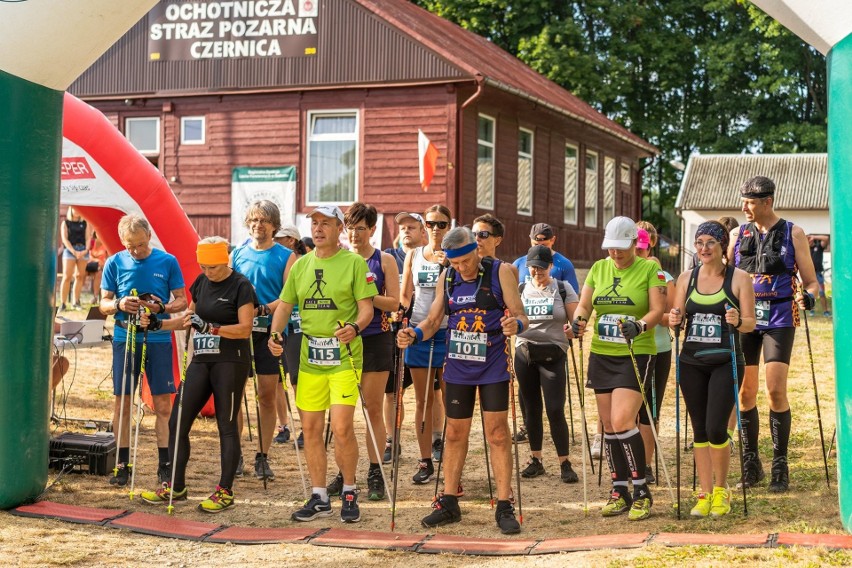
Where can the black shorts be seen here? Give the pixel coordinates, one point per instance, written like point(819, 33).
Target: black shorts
point(292, 352)
point(460, 399)
point(407, 381)
point(608, 372)
point(378, 352)
point(777, 345)
point(265, 362)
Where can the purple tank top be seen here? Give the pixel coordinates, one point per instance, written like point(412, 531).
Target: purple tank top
point(379, 323)
point(477, 352)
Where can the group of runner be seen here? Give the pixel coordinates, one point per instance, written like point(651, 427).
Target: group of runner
point(470, 325)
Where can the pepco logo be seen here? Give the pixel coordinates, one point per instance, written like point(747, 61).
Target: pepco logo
point(76, 168)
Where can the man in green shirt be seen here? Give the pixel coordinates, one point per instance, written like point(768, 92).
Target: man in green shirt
point(333, 290)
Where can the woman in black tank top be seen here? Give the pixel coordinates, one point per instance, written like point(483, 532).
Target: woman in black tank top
point(75, 238)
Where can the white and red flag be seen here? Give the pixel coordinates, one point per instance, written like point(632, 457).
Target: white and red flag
point(428, 153)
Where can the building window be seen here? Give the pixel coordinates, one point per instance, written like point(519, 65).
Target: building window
point(332, 157)
point(625, 174)
point(609, 189)
point(591, 189)
point(569, 185)
point(485, 137)
point(192, 130)
point(525, 172)
point(144, 134)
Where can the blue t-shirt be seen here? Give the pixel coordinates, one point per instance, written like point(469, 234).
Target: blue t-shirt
point(158, 274)
point(263, 268)
point(562, 270)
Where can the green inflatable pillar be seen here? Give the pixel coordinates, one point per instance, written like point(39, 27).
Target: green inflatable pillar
point(30, 150)
point(839, 204)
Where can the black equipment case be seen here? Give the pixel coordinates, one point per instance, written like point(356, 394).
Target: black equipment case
point(90, 453)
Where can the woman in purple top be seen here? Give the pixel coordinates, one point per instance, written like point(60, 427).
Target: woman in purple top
point(483, 306)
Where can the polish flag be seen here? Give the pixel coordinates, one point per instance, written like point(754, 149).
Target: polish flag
point(428, 158)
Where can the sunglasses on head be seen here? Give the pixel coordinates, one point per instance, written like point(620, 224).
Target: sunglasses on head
point(439, 224)
point(482, 234)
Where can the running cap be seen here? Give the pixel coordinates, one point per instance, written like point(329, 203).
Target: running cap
point(758, 187)
point(643, 239)
point(328, 211)
point(620, 233)
point(400, 217)
point(211, 254)
point(541, 229)
point(288, 231)
point(539, 256)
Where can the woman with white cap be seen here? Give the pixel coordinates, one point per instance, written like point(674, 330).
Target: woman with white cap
point(628, 294)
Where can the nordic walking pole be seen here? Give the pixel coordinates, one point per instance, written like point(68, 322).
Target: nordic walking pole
point(247, 417)
point(328, 431)
point(677, 411)
point(487, 458)
point(585, 444)
point(397, 425)
point(127, 348)
point(831, 443)
point(263, 458)
point(438, 473)
point(645, 400)
point(582, 398)
point(816, 398)
point(429, 386)
point(512, 380)
point(170, 509)
point(570, 402)
point(736, 378)
point(277, 337)
point(138, 398)
point(370, 431)
point(654, 418)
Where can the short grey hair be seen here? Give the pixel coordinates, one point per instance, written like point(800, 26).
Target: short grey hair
point(133, 223)
point(266, 209)
point(212, 240)
point(457, 238)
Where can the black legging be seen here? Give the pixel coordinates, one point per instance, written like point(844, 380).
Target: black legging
point(709, 395)
point(225, 381)
point(549, 378)
point(657, 380)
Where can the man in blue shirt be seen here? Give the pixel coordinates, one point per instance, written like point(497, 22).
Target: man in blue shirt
point(137, 278)
point(543, 234)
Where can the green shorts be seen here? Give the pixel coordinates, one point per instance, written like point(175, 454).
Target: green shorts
point(317, 392)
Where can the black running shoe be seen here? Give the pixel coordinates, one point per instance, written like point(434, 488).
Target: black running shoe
point(336, 486)
point(649, 475)
point(121, 474)
point(375, 485)
point(388, 455)
point(262, 469)
point(283, 435)
point(780, 481)
point(534, 468)
point(164, 473)
point(445, 511)
point(437, 450)
point(241, 466)
point(753, 472)
point(350, 513)
point(504, 514)
point(568, 474)
point(313, 508)
point(522, 435)
point(425, 471)
point(300, 441)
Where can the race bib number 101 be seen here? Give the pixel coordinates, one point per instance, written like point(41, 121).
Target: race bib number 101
point(467, 345)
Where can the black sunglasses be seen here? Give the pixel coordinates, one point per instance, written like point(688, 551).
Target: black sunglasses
point(482, 234)
point(440, 224)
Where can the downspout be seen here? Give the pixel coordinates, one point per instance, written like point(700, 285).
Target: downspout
point(480, 84)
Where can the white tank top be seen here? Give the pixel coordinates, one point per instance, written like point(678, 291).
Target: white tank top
point(425, 275)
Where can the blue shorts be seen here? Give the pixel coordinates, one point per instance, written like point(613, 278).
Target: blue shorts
point(68, 255)
point(821, 281)
point(417, 354)
point(158, 368)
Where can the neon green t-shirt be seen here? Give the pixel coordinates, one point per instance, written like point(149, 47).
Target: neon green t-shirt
point(622, 294)
point(327, 291)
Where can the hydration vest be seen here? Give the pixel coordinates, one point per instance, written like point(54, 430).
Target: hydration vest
point(484, 294)
point(764, 256)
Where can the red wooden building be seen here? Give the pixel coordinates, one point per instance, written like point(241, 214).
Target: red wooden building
point(343, 102)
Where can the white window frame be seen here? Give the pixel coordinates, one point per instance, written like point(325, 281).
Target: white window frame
point(332, 138)
point(610, 188)
point(625, 169)
point(586, 186)
point(526, 156)
point(488, 144)
point(144, 151)
point(183, 140)
point(565, 189)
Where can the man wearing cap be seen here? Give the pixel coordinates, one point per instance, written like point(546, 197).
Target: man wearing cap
point(771, 249)
point(334, 293)
point(263, 262)
point(563, 269)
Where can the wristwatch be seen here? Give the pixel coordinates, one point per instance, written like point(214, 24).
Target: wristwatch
point(354, 326)
point(117, 304)
point(644, 325)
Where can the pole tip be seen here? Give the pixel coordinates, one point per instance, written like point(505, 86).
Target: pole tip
point(170, 509)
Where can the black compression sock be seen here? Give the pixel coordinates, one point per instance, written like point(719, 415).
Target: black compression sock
point(779, 426)
point(751, 429)
point(618, 467)
point(374, 467)
point(634, 452)
point(123, 455)
point(163, 455)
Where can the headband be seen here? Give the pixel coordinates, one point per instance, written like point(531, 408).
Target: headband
point(716, 230)
point(461, 251)
point(212, 253)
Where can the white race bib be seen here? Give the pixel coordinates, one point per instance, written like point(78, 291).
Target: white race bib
point(260, 324)
point(427, 276)
point(609, 329)
point(324, 351)
point(705, 328)
point(205, 344)
point(761, 312)
point(467, 345)
point(539, 309)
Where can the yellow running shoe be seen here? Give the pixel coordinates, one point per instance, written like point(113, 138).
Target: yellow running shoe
point(721, 502)
point(616, 505)
point(220, 500)
point(640, 510)
point(161, 495)
point(702, 506)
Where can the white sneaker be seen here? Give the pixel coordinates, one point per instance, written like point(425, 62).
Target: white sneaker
point(596, 446)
